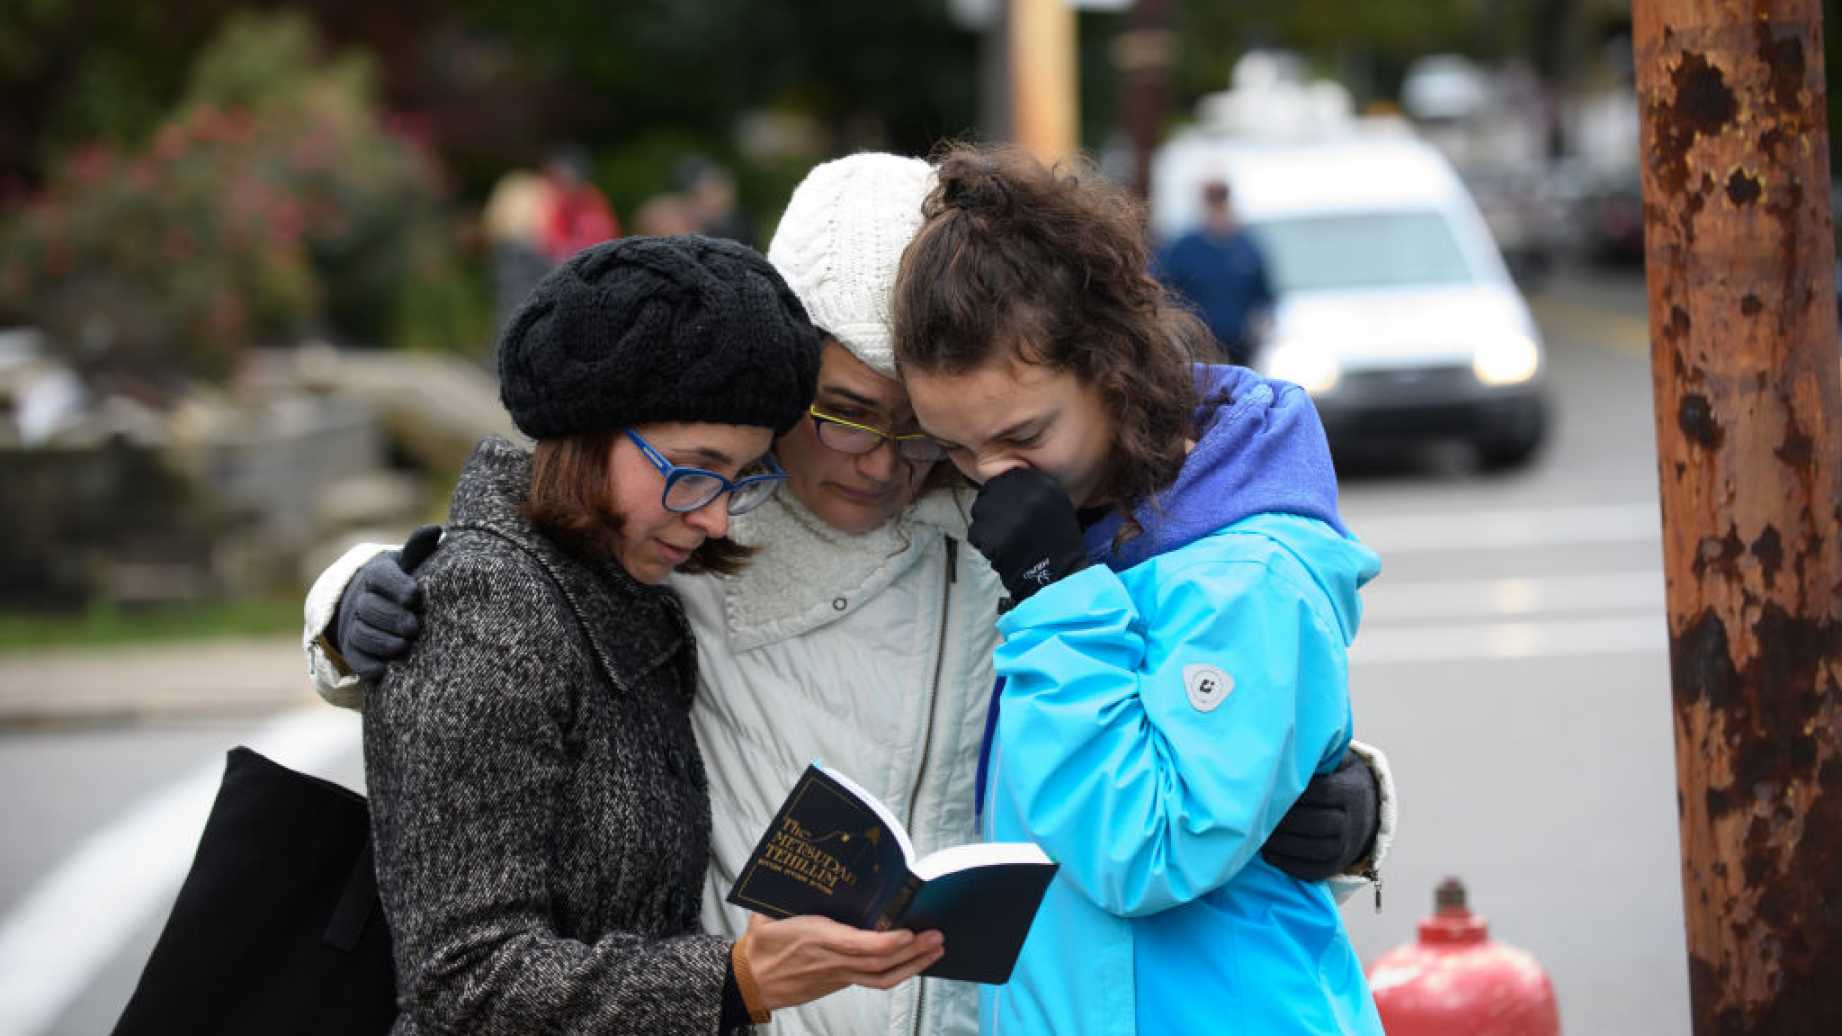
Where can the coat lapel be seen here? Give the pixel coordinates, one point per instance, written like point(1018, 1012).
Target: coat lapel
point(630, 629)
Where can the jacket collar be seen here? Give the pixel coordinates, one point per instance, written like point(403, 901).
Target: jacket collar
point(631, 628)
point(810, 575)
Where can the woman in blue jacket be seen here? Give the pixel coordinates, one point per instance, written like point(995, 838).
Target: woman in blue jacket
point(1174, 664)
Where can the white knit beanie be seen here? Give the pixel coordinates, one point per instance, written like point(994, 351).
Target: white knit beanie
point(840, 241)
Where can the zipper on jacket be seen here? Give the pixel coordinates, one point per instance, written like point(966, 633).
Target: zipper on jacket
point(940, 659)
point(1374, 875)
point(920, 998)
point(933, 706)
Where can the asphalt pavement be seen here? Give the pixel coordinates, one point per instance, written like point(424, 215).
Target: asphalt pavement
point(1512, 663)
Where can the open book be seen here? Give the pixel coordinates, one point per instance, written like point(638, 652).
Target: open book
point(835, 851)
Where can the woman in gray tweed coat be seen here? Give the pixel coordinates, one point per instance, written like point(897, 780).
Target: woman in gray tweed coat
point(539, 806)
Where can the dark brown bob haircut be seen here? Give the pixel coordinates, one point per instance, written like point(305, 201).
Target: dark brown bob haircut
point(1050, 265)
point(571, 483)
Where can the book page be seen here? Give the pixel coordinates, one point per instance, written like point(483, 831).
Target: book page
point(978, 854)
point(876, 805)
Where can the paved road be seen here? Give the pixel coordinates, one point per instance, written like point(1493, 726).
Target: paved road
point(1512, 662)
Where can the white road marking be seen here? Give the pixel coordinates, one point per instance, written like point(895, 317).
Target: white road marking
point(1518, 616)
point(69, 925)
point(1509, 530)
point(1384, 602)
point(1552, 638)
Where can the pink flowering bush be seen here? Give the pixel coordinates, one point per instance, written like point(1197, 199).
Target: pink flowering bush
point(274, 202)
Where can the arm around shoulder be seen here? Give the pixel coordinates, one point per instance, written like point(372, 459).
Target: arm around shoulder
point(331, 679)
point(1367, 871)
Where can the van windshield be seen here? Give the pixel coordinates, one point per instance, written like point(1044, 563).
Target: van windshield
point(1361, 250)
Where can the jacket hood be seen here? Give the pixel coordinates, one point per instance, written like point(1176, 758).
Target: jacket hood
point(1261, 451)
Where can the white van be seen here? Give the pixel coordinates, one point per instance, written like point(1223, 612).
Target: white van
point(1394, 308)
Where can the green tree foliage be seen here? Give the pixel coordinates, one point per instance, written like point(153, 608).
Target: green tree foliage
point(1366, 39)
point(75, 72)
point(696, 63)
point(272, 200)
point(629, 79)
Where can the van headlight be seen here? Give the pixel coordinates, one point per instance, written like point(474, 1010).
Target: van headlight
point(1310, 367)
point(1506, 361)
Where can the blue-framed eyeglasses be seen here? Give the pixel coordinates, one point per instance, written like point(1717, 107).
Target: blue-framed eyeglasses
point(692, 489)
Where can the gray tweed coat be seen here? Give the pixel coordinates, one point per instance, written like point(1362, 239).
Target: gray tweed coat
point(539, 807)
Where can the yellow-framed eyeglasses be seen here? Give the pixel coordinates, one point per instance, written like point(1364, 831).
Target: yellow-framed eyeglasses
point(847, 436)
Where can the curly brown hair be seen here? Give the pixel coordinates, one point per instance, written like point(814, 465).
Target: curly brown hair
point(572, 480)
point(1051, 263)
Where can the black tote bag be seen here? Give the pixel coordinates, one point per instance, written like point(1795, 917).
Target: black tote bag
point(277, 928)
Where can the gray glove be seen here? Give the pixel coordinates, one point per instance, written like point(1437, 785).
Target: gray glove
point(1331, 827)
point(376, 622)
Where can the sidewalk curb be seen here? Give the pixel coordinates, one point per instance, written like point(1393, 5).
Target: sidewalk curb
point(229, 676)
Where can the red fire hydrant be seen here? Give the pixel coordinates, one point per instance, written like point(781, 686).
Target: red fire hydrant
point(1456, 982)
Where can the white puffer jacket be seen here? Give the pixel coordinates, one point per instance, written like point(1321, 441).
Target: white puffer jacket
point(869, 653)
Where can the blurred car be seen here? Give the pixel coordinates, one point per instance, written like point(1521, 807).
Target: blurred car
point(1531, 216)
point(1611, 218)
point(1395, 309)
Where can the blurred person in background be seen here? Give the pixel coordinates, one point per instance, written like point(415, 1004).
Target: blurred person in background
point(1218, 269)
point(709, 194)
point(861, 633)
point(1175, 662)
point(664, 214)
point(515, 221)
point(539, 805)
point(579, 215)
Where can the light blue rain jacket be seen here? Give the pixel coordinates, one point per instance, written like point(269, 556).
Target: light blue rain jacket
point(1160, 713)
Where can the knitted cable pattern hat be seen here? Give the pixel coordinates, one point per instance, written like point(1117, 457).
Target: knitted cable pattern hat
point(648, 329)
point(840, 241)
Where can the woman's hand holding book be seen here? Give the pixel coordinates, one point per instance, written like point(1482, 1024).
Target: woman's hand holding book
point(798, 959)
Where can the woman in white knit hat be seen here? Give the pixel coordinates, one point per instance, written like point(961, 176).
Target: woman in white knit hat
point(863, 633)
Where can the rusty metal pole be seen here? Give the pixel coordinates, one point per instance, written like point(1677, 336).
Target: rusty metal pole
point(1740, 257)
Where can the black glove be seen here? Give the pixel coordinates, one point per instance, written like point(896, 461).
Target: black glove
point(1025, 526)
point(1331, 827)
point(376, 619)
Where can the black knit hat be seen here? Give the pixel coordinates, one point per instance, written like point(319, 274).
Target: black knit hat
point(649, 329)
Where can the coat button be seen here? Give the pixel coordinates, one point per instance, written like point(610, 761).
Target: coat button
point(839, 604)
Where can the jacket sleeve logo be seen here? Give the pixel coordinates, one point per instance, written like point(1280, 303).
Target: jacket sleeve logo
point(1208, 686)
